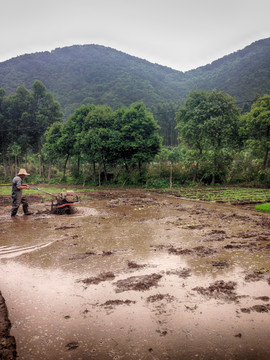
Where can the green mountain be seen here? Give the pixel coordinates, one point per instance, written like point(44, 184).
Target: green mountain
point(243, 74)
point(96, 74)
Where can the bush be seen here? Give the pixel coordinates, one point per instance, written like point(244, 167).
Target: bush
point(244, 168)
point(161, 171)
point(264, 177)
point(158, 184)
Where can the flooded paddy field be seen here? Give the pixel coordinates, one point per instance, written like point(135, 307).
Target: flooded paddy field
point(133, 274)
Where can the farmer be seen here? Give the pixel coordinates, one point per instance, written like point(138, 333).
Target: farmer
point(17, 198)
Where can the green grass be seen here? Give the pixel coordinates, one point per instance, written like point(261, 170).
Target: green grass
point(223, 194)
point(6, 190)
point(263, 207)
point(220, 194)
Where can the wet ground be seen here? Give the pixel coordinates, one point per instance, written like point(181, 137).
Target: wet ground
point(137, 275)
point(7, 342)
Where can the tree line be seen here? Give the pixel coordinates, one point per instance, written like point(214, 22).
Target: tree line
point(207, 139)
point(24, 117)
point(212, 126)
point(127, 137)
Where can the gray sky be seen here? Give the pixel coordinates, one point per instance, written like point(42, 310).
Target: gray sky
point(179, 34)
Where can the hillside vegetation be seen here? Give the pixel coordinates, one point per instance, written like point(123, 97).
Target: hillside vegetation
point(127, 121)
point(83, 74)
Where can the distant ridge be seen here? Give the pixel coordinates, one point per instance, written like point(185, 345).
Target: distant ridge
point(97, 74)
point(243, 74)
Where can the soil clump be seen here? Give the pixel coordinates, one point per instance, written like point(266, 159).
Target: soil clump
point(219, 290)
point(97, 279)
point(137, 283)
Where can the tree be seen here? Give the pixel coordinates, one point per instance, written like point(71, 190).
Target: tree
point(255, 126)
point(209, 121)
point(99, 140)
point(58, 143)
point(221, 128)
point(75, 126)
point(44, 111)
point(52, 141)
point(15, 151)
point(25, 115)
point(3, 131)
point(190, 120)
point(164, 114)
point(127, 136)
point(139, 137)
point(16, 119)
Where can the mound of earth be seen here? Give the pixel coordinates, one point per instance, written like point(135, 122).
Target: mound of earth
point(7, 342)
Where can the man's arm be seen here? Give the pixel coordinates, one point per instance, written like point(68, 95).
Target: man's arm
point(27, 187)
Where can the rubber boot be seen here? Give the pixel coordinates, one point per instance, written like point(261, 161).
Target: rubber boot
point(25, 210)
point(14, 212)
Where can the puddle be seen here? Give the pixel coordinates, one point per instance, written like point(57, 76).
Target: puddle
point(136, 275)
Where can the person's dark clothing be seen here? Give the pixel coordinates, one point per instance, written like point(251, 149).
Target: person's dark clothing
point(17, 182)
point(17, 197)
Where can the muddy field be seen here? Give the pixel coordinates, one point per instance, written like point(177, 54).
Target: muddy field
point(133, 274)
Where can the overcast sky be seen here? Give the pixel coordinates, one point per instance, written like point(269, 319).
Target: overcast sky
point(176, 33)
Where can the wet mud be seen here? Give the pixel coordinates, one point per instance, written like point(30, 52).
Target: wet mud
point(7, 342)
point(133, 274)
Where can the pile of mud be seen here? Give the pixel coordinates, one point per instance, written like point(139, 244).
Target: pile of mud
point(7, 342)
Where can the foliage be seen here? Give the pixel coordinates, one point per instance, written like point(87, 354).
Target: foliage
point(52, 148)
point(244, 168)
point(25, 115)
point(167, 175)
point(139, 137)
point(96, 74)
point(164, 114)
point(6, 190)
point(255, 128)
point(208, 123)
point(97, 139)
point(263, 207)
point(224, 194)
point(243, 74)
point(127, 137)
point(264, 177)
point(45, 111)
point(172, 154)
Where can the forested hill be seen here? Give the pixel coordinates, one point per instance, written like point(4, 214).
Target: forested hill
point(243, 74)
point(96, 74)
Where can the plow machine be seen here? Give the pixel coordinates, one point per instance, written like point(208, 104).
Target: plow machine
point(62, 203)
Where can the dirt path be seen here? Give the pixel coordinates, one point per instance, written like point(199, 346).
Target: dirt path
point(138, 275)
